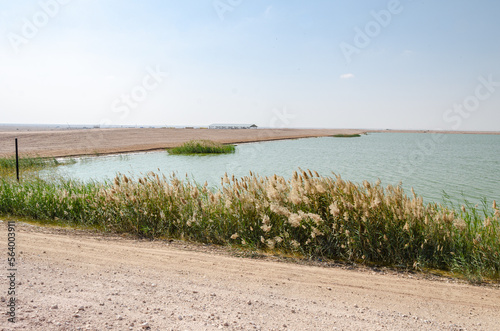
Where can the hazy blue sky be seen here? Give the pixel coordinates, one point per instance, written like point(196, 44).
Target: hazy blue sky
point(316, 63)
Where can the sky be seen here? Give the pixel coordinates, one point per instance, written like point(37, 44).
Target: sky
point(306, 64)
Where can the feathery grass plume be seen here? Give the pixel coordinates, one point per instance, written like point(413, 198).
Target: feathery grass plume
point(272, 193)
point(279, 210)
point(334, 209)
point(266, 228)
point(294, 220)
point(295, 196)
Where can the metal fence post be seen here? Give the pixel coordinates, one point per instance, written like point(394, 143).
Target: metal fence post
point(17, 162)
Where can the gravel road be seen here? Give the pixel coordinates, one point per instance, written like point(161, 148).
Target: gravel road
point(78, 280)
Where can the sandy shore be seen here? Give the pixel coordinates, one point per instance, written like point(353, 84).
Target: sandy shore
point(46, 142)
point(78, 280)
point(438, 131)
point(56, 143)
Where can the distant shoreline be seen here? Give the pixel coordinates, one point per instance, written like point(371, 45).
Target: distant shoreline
point(61, 127)
point(45, 141)
point(434, 131)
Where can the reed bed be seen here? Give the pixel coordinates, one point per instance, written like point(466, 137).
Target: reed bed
point(202, 147)
point(310, 215)
point(356, 135)
point(30, 164)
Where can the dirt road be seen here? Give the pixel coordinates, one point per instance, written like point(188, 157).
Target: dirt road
point(78, 280)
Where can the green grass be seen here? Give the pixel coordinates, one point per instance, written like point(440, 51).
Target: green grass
point(26, 164)
point(307, 215)
point(346, 135)
point(202, 147)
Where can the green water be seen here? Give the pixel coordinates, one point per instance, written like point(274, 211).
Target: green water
point(465, 166)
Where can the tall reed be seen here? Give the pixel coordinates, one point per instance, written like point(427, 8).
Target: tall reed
point(202, 147)
point(307, 214)
point(26, 164)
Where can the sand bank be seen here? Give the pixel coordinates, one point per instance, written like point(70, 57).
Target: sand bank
point(58, 143)
point(76, 142)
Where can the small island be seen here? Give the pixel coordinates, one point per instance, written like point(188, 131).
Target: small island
point(202, 147)
point(346, 135)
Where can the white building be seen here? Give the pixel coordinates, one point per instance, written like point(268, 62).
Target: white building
point(232, 126)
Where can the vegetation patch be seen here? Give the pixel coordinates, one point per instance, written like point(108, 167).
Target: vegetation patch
point(346, 135)
point(27, 164)
point(202, 147)
point(306, 215)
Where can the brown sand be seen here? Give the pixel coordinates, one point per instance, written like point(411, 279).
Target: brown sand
point(78, 280)
point(55, 143)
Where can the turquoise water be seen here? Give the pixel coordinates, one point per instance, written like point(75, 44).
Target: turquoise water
point(465, 166)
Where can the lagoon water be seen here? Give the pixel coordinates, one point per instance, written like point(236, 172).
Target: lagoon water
point(465, 166)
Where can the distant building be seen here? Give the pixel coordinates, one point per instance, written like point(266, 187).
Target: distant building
point(232, 126)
